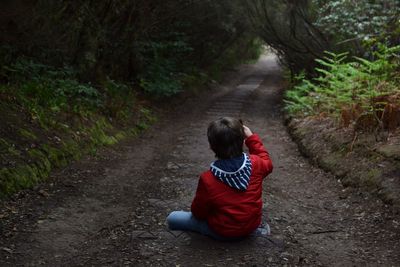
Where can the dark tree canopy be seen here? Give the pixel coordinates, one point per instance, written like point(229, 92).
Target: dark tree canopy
point(125, 39)
point(301, 31)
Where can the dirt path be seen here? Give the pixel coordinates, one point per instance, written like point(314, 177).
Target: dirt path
point(110, 210)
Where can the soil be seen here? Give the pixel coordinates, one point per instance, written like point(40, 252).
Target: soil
point(357, 158)
point(110, 210)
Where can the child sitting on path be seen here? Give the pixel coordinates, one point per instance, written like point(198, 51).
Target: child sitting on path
point(228, 201)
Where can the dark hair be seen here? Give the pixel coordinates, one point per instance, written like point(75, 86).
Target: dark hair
point(226, 136)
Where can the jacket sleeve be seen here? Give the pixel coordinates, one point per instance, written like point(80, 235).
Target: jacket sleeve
point(200, 205)
point(256, 147)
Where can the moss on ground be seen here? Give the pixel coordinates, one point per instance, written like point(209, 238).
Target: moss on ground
point(331, 161)
point(43, 158)
point(390, 151)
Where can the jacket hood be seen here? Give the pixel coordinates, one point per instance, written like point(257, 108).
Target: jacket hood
point(234, 172)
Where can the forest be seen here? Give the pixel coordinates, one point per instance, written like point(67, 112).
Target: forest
point(74, 73)
point(103, 111)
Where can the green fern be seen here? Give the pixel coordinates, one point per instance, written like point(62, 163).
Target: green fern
point(342, 83)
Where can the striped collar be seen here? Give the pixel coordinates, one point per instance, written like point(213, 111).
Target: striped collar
point(233, 172)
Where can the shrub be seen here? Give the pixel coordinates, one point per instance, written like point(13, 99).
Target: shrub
point(363, 92)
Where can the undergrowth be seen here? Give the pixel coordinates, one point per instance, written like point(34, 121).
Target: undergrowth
point(50, 118)
point(359, 92)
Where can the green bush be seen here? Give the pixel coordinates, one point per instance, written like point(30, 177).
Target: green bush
point(162, 78)
point(166, 63)
point(343, 84)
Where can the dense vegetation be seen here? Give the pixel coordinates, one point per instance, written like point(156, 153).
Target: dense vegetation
point(343, 56)
point(362, 92)
point(76, 74)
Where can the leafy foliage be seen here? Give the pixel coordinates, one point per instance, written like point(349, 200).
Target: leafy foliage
point(362, 20)
point(164, 58)
point(354, 91)
point(47, 93)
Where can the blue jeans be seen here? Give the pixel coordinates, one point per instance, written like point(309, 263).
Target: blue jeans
point(185, 221)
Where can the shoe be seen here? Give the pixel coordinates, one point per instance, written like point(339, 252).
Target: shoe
point(263, 230)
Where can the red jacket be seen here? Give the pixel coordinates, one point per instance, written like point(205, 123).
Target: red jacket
point(228, 211)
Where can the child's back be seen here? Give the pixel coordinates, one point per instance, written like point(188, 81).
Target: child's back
point(228, 201)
